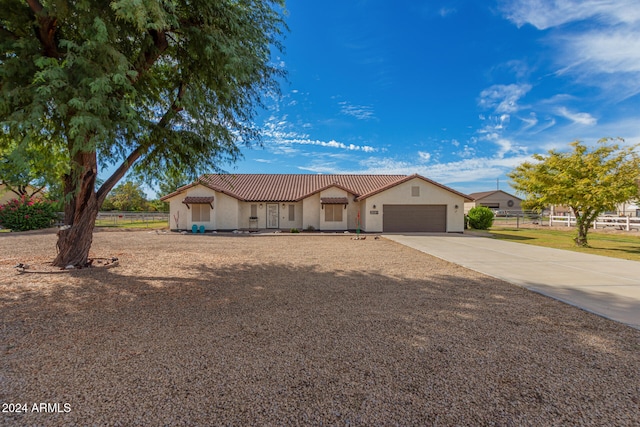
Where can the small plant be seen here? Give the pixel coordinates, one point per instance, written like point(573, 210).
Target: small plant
point(480, 218)
point(311, 228)
point(294, 230)
point(27, 214)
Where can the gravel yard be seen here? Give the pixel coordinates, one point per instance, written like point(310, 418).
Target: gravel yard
point(296, 330)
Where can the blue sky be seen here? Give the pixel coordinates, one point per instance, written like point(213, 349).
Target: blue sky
point(458, 91)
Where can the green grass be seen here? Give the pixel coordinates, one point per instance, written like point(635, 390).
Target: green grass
point(625, 246)
point(127, 223)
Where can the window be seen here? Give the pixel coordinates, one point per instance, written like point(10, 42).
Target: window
point(333, 213)
point(200, 213)
point(415, 191)
point(254, 211)
point(292, 212)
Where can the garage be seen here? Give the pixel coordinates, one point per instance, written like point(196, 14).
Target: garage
point(413, 218)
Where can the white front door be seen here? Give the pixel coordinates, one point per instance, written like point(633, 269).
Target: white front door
point(272, 215)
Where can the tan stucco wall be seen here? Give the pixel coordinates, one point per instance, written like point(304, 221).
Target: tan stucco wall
point(401, 195)
point(502, 199)
point(337, 225)
point(185, 218)
point(311, 212)
point(283, 211)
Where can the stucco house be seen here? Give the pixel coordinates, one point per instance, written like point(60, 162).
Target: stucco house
point(496, 200)
point(372, 203)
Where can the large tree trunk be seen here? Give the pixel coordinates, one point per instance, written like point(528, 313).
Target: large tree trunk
point(80, 212)
point(74, 242)
point(82, 205)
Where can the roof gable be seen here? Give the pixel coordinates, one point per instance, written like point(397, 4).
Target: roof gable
point(409, 178)
point(483, 194)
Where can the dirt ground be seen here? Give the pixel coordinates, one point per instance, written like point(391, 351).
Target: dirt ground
point(296, 330)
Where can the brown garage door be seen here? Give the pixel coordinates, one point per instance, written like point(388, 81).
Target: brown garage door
point(431, 218)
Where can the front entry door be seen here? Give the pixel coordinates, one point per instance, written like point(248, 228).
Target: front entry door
point(272, 215)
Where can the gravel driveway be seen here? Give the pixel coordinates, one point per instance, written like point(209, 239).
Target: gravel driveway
point(296, 330)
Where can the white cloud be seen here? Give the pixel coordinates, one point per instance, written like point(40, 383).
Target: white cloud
point(544, 14)
point(463, 171)
point(467, 152)
point(530, 121)
point(277, 136)
point(360, 112)
point(424, 156)
point(603, 52)
point(503, 98)
point(578, 118)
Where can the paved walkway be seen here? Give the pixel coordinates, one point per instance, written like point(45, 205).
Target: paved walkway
point(606, 286)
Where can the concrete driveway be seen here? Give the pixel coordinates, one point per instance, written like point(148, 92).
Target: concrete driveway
point(606, 286)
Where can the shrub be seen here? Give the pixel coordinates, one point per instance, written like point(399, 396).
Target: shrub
point(294, 230)
point(480, 218)
point(27, 214)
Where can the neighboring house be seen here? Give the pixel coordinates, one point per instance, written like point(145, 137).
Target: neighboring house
point(373, 203)
point(6, 194)
point(629, 208)
point(496, 200)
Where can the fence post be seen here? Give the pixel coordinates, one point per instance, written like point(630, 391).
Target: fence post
point(628, 228)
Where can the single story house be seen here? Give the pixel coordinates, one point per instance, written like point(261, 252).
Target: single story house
point(496, 200)
point(372, 203)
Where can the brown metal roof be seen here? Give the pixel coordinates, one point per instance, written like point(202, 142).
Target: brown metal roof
point(193, 200)
point(292, 187)
point(334, 200)
point(295, 187)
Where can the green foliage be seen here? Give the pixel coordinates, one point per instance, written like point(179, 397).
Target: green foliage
point(172, 180)
point(24, 213)
point(127, 196)
point(155, 85)
point(26, 170)
point(294, 230)
point(480, 218)
point(588, 180)
point(157, 205)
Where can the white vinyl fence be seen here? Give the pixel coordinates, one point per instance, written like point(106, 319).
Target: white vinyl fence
point(620, 222)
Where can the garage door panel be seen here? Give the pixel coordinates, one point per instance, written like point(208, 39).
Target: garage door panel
point(414, 218)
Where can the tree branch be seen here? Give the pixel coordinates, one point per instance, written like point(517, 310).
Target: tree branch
point(35, 5)
point(148, 57)
point(117, 175)
point(47, 28)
